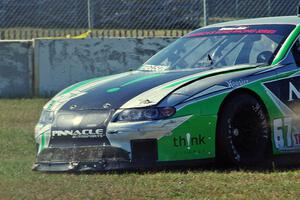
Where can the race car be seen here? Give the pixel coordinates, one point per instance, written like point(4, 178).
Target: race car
point(226, 93)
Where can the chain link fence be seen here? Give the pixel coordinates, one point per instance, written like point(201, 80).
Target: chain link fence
point(26, 19)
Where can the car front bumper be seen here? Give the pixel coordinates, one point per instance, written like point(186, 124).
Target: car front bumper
point(89, 158)
point(102, 158)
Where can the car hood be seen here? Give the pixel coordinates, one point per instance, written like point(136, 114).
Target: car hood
point(130, 89)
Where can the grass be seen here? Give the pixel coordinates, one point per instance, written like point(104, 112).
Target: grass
point(17, 181)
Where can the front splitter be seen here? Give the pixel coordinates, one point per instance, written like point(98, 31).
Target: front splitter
point(81, 158)
point(82, 166)
point(100, 158)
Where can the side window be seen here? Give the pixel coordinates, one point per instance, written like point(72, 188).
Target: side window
point(262, 49)
point(296, 51)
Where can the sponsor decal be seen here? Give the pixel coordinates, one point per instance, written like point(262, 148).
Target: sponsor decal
point(238, 83)
point(243, 29)
point(188, 141)
point(155, 67)
point(293, 92)
point(287, 91)
point(234, 28)
point(234, 31)
point(84, 133)
point(283, 133)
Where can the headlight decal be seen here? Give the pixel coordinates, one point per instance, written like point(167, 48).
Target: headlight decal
point(145, 114)
point(47, 117)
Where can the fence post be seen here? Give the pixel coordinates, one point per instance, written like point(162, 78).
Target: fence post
point(236, 8)
point(204, 13)
point(90, 15)
point(269, 8)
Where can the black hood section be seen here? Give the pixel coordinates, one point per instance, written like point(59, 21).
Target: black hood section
point(122, 89)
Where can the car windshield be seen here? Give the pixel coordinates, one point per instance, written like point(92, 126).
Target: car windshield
point(218, 47)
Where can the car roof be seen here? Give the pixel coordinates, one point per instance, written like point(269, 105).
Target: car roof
point(257, 21)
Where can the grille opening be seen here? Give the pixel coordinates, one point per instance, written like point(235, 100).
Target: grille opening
point(82, 119)
point(144, 151)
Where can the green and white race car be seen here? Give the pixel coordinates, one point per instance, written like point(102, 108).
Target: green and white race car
point(228, 92)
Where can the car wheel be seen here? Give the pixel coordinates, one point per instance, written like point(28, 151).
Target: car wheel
point(243, 134)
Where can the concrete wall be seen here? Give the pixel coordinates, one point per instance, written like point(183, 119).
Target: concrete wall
point(16, 69)
point(60, 63)
point(44, 67)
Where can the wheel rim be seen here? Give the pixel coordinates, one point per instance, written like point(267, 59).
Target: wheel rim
point(247, 133)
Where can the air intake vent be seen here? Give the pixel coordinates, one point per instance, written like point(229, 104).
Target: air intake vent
point(144, 151)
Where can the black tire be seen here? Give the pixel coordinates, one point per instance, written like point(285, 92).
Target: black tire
point(243, 133)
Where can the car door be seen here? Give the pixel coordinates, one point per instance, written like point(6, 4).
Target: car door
point(285, 92)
